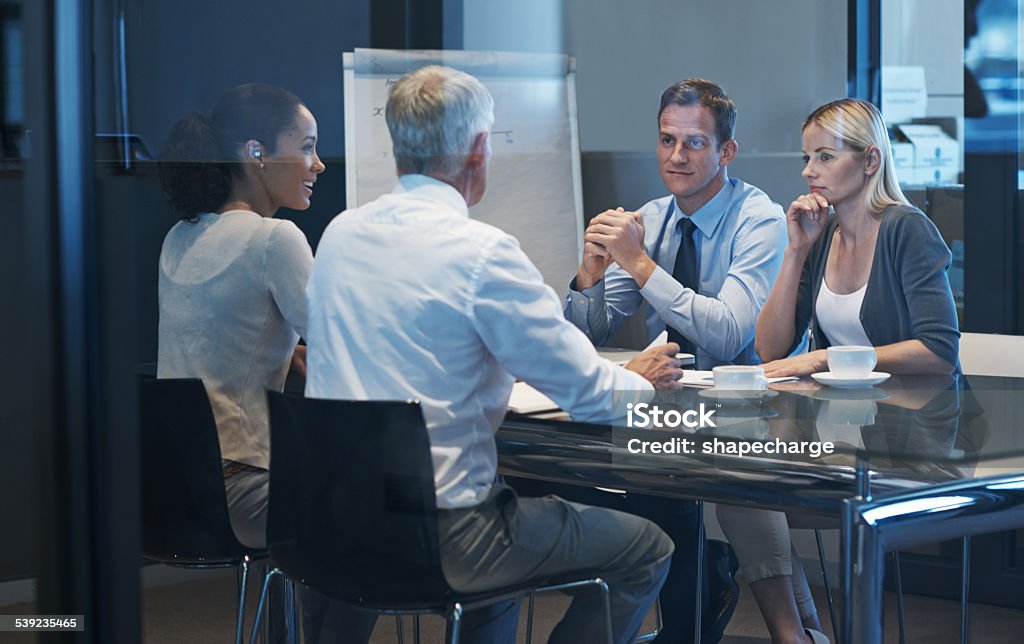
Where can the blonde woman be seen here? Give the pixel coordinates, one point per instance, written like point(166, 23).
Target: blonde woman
point(874, 273)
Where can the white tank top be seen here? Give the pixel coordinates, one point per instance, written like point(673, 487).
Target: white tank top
point(839, 316)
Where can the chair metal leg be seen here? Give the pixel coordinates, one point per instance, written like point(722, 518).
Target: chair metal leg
point(400, 629)
point(416, 628)
point(605, 597)
point(899, 595)
point(261, 570)
point(697, 608)
point(530, 598)
point(455, 620)
point(263, 598)
point(291, 611)
point(454, 615)
point(828, 584)
point(607, 610)
point(965, 590)
point(289, 607)
point(658, 625)
point(241, 600)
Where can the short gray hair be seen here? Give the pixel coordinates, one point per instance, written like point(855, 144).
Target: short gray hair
point(433, 115)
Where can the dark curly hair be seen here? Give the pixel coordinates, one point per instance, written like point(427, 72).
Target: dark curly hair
point(201, 156)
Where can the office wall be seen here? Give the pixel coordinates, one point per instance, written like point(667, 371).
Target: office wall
point(184, 54)
point(528, 25)
point(181, 57)
point(777, 59)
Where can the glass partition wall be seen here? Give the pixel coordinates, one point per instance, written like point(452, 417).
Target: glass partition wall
point(17, 443)
point(89, 91)
point(950, 92)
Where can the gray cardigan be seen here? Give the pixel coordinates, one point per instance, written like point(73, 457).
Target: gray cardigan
point(907, 296)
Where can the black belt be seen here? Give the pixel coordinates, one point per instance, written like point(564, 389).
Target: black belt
point(234, 467)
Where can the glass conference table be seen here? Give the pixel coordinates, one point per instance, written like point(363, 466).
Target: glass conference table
point(915, 460)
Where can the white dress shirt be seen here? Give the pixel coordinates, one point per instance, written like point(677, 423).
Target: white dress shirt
point(411, 299)
point(232, 307)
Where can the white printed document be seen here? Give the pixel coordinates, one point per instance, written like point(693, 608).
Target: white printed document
point(694, 378)
point(622, 356)
point(527, 400)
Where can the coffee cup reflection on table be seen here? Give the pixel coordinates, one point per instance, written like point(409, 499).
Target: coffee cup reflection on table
point(849, 412)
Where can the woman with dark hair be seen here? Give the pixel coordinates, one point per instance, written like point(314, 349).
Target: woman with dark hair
point(233, 278)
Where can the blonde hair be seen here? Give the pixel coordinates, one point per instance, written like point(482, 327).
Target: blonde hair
point(859, 125)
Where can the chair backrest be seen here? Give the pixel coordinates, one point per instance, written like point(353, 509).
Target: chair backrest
point(352, 504)
point(184, 507)
point(989, 354)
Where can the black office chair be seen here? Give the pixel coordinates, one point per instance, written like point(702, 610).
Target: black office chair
point(353, 512)
point(184, 508)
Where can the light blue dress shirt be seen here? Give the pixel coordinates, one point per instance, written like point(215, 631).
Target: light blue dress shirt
point(740, 236)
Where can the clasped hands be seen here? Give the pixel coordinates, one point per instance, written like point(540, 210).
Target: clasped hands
point(614, 236)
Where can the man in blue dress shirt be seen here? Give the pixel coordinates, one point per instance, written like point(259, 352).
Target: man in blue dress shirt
point(738, 235)
point(704, 258)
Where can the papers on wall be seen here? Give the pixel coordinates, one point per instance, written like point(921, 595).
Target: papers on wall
point(904, 95)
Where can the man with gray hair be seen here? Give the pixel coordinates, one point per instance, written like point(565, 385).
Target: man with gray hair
point(411, 299)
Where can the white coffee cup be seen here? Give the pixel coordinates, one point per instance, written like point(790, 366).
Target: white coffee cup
point(739, 377)
point(851, 361)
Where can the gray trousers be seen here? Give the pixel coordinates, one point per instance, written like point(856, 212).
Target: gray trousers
point(508, 541)
point(248, 500)
point(762, 544)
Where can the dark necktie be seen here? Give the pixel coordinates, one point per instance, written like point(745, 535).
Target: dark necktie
point(687, 272)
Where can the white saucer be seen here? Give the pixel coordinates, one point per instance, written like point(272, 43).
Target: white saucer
point(726, 397)
point(873, 378)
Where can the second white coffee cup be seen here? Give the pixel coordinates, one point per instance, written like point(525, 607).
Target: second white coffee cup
point(851, 361)
point(739, 377)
